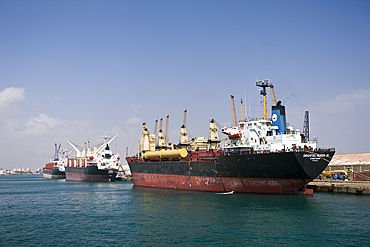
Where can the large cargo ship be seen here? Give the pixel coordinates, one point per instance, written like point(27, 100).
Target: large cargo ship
point(258, 156)
point(55, 168)
point(97, 165)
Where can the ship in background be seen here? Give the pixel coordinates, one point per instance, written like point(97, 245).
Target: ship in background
point(258, 156)
point(95, 165)
point(55, 168)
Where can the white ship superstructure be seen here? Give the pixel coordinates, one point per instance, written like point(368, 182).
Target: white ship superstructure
point(59, 158)
point(262, 135)
point(266, 135)
point(101, 157)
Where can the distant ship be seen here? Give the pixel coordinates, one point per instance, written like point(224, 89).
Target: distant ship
point(258, 156)
point(55, 168)
point(97, 165)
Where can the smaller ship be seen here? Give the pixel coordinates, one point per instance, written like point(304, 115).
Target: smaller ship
point(55, 168)
point(97, 165)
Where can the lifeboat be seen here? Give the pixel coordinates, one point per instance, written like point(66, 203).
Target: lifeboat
point(235, 136)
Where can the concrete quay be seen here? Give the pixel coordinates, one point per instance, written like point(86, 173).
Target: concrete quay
point(349, 187)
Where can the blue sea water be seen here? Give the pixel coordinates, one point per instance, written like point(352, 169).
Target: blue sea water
point(44, 212)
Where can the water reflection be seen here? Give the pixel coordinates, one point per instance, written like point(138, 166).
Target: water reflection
point(176, 217)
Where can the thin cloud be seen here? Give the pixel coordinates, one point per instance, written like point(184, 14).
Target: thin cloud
point(345, 102)
point(350, 103)
point(54, 100)
point(133, 121)
point(338, 121)
point(135, 109)
point(38, 125)
point(11, 95)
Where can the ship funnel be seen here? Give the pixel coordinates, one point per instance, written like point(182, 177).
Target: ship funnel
point(278, 118)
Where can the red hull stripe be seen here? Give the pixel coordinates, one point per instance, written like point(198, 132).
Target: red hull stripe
point(89, 177)
point(220, 184)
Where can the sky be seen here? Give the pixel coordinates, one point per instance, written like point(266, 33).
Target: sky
point(80, 70)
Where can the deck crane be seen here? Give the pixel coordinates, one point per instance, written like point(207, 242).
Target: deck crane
point(86, 151)
point(183, 132)
point(106, 142)
point(57, 150)
point(185, 117)
point(161, 123)
point(161, 143)
point(155, 128)
point(235, 122)
point(243, 118)
point(273, 97)
point(74, 146)
point(166, 133)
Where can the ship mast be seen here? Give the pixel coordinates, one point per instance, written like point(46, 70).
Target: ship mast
point(263, 84)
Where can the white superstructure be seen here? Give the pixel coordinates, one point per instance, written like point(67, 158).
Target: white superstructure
point(101, 156)
point(262, 135)
point(59, 158)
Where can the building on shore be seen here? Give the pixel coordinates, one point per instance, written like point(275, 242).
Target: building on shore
point(17, 171)
point(357, 164)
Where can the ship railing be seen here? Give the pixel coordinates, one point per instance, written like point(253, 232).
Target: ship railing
point(232, 151)
point(295, 150)
point(262, 151)
point(325, 149)
point(254, 119)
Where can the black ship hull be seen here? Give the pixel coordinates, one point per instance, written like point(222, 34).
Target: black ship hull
point(90, 174)
point(53, 173)
point(280, 173)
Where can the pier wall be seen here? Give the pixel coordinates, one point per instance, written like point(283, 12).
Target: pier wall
point(349, 187)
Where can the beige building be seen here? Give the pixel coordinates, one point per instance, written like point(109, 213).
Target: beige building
point(358, 162)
